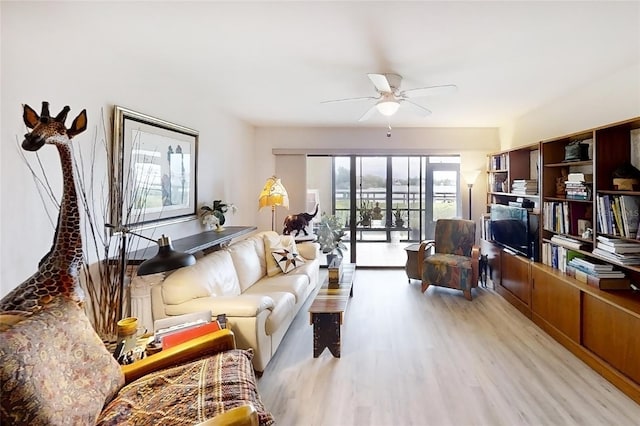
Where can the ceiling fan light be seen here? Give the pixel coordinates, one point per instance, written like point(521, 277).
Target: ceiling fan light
point(388, 107)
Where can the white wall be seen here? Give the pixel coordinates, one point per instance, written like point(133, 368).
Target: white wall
point(472, 144)
point(611, 99)
point(72, 65)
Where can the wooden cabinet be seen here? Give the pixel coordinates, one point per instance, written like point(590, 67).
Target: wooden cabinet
point(601, 328)
point(554, 302)
point(613, 334)
point(514, 284)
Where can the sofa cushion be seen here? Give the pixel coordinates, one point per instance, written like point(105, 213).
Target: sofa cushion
point(295, 284)
point(274, 242)
point(245, 305)
point(189, 393)
point(249, 261)
point(308, 250)
point(54, 368)
point(211, 275)
point(308, 269)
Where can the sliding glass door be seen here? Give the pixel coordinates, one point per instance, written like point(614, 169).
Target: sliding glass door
point(386, 202)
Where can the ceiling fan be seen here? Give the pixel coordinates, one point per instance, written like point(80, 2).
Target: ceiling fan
point(390, 97)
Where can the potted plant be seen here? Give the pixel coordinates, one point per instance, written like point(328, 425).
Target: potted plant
point(366, 214)
point(213, 215)
point(399, 217)
point(330, 234)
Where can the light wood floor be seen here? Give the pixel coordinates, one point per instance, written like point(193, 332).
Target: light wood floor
point(435, 359)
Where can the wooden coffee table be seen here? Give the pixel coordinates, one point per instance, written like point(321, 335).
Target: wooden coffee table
point(327, 311)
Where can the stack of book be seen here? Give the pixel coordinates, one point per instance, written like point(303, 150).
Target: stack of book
point(577, 186)
point(598, 275)
point(621, 251)
point(178, 329)
point(567, 242)
point(524, 186)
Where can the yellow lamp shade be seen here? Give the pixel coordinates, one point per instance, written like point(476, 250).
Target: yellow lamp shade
point(273, 194)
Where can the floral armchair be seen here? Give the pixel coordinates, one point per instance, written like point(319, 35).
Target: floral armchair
point(455, 262)
point(54, 369)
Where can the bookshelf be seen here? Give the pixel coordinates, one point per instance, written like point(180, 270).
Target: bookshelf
point(606, 209)
point(506, 167)
point(597, 319)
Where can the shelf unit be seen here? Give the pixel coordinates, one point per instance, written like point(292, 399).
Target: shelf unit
point(600, 327)
point(506, 166)
point(610, 147)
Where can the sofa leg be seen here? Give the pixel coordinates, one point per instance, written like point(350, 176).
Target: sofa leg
point(425, 286)
point(467, 294)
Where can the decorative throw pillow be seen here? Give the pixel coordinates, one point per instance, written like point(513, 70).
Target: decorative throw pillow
point(287, 260)
point(55, 369)
point(274, 242)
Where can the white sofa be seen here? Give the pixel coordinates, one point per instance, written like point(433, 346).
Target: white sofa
point(244, 282)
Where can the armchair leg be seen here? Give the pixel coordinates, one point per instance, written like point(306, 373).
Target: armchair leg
point(425, 286)
point(467, 294)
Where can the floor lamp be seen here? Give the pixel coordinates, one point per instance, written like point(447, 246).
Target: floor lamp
point(470, 177)
point(273, 194)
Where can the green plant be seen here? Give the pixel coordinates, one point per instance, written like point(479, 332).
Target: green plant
point(214, 214)
point(366, 213)
point(398, 214)
point(330, 234)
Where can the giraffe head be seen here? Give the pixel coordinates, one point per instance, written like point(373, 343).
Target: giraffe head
point(45, 129)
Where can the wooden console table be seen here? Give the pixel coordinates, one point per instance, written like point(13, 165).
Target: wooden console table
point(327, 311)
point(194, 243)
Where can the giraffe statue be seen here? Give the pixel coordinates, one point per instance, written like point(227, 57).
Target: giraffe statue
point(58, 270)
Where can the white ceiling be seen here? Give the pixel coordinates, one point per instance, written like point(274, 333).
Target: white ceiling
point(272, 63)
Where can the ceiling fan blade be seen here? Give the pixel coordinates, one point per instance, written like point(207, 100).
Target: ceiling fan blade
point(418, 109)
point(367, 115)
point(429, 91)
point(380, 81)
point(349, 99)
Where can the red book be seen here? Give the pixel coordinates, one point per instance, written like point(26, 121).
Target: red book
point(188, 334)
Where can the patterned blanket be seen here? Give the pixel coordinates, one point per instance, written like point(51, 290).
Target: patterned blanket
point(188, 394)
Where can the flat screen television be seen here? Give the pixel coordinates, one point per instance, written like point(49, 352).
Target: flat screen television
point(513, 228)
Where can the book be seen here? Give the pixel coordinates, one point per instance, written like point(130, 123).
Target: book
point(602, 274)
point(630, 207)
point(580, 177)
point(189, 333)
point(625, 259)
point(615, 241)
point(619, 249)
point(567, 242)
point(591, 265)
point(601, 283)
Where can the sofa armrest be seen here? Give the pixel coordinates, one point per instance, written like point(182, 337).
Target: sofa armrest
point(309, 250)
point(244, 415)
point(209, 344)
